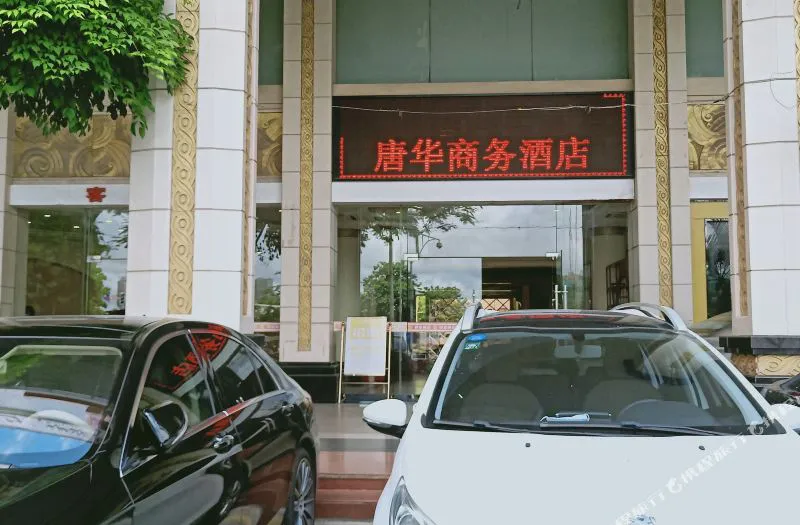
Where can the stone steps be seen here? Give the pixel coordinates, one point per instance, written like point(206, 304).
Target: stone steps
point(348, 497)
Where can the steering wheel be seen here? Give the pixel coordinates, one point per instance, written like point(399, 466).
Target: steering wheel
point(63, 417)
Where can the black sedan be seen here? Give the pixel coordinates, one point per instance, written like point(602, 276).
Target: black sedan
point(783, 391)
point(162, 422)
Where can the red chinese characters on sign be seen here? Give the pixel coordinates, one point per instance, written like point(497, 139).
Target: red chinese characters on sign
point(463, 155)
point(95, 194)
point(391, 156)
point(535, 156)
point(498, 156)
point(428, 152)
point(573, 155)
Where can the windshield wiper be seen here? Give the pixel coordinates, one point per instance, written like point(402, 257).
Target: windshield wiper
point(629, 427)
point(478, 425)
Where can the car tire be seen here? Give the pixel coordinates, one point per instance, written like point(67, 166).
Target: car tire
point(301, 507)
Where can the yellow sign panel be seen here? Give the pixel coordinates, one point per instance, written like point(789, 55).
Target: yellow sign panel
point(365, 346)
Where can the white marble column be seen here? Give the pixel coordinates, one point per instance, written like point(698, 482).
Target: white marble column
point(764, 172)
point(149, 212)
point(324, 232)
point(680, 212)
point(211, 195)
point(219, 202)
point(13, 230)
point(642, 227)
point(290, 182)
point(643, 242)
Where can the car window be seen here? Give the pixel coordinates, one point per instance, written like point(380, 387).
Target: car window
point(175, 375)
point(55, 399)
point(793, 384)
point(233, 366)
point(650, 377)
point(264, 375)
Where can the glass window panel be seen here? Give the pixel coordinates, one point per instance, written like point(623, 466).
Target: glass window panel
point(718, 267)
point(268, 265)
point(77, 261)
point(427, 264)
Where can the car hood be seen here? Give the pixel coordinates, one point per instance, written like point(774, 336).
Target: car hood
point(25, 492)
point(462, 477)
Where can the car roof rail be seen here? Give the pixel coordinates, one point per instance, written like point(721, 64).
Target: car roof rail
point(470, 314)
point(656, 311)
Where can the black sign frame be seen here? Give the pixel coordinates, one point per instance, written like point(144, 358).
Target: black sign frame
point(362, 124)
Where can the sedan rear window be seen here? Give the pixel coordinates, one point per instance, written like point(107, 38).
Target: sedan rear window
point(53, 400)
point(619, 378)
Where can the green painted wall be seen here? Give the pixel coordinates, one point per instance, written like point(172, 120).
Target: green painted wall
point(385, 41)
point(270, 43)
point(705, 52)
point(580, 39)
point(382, 41)
point(480, 40)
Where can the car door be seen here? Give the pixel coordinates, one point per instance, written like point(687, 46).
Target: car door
point(192, 481)
point(259, 410)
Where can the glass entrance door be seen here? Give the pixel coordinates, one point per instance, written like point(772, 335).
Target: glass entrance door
point(424, 266)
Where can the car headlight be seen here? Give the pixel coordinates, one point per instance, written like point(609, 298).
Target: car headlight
point(404, 511)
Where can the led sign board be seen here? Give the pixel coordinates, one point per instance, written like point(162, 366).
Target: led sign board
point(483, 137)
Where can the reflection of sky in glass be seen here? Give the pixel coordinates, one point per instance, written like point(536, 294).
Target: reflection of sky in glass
point(111, 256)
point(268, 269)
point(499, 231)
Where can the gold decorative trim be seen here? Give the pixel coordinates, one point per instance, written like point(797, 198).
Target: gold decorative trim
point(105, 151)
point(778, 365)
point(663, 202)
point(184, 170)
point(746, 364)
point(708, 143)
point(306, 172)
point(247, 183)
point(738, 140)
point(269, 144)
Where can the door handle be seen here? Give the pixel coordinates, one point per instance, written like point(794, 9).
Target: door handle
point(222, 443)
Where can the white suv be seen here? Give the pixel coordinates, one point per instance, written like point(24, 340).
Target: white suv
point(586, 418)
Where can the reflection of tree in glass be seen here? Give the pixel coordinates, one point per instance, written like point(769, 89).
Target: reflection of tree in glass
point(445, 305)
point(377, 295)
point(61, 280)
point(718, 267)
point(16, 368)
point(268, 305)
point(388, 224)
point(268, 239)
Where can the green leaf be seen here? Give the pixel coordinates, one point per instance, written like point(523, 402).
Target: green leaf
point(62, 59)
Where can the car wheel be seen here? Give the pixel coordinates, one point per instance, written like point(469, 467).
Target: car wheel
point(300, 510)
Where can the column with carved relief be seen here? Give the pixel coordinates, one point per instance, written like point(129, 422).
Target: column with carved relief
point(192, 177)
point(308, 256)
point(763, 74)
point(13, 230)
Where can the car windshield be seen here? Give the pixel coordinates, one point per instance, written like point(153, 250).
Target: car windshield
point(600, 379)
point(53, 401)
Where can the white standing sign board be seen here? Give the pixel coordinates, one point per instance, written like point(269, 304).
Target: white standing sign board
point(365, 346)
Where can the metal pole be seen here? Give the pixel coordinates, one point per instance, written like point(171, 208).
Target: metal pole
point(389, 366)
point(341, 365)
point(555, 295)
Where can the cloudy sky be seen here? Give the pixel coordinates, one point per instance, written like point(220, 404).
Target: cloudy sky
point(499, 231)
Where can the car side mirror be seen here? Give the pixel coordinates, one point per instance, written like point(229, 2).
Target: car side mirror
point(389, 416)
point(788, 415)
point(165, 424)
